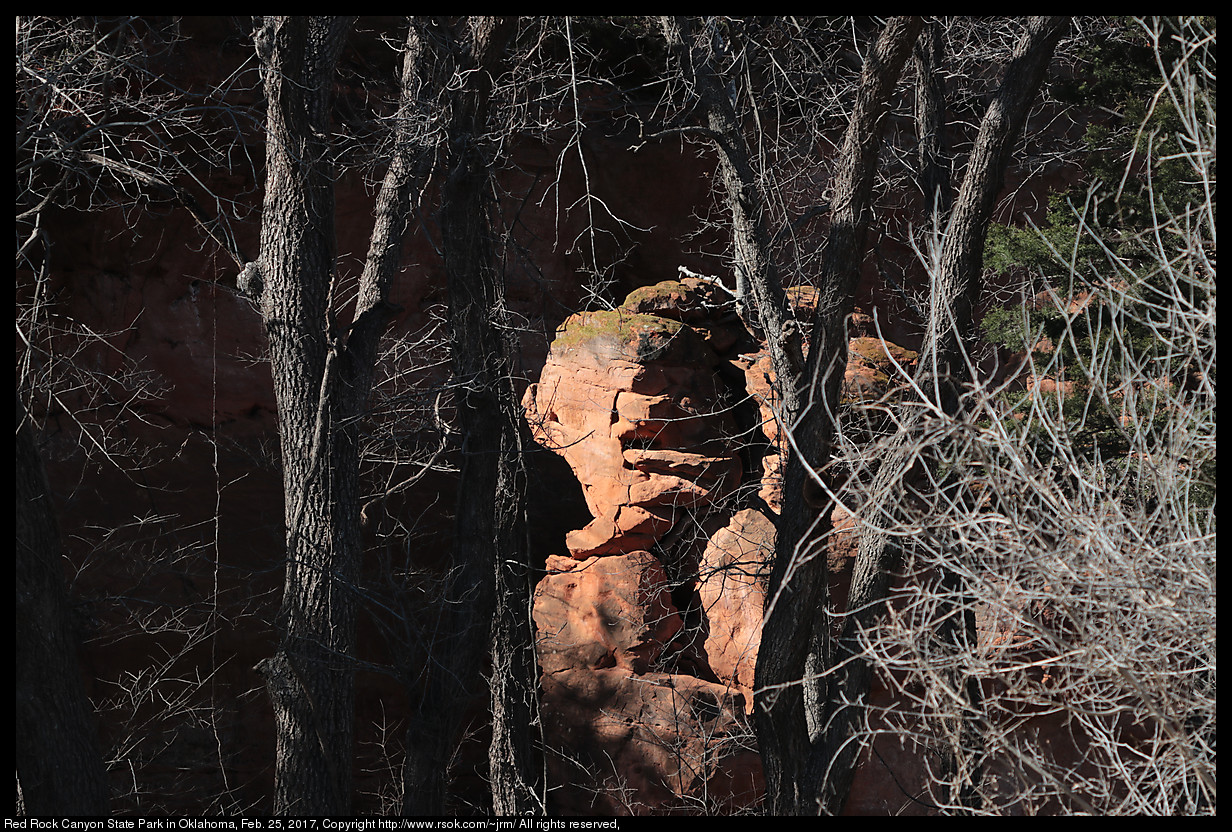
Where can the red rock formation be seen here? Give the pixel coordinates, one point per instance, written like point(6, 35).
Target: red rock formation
point(604, 612)
point(731, 589)
point(645, 712)
point(626, 737)
point(632, 403)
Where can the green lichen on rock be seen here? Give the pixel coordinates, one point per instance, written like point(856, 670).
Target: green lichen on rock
point(663, 294)
point(869, 369)
point(631, 336)
point(873, 350)
point(692, 300)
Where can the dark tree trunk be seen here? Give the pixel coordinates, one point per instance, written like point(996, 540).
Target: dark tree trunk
point(322, 379)
point(59, 767)
point(793, 698)
point(489, 619)
point(932, 151)
point(962, 255)
point(491, 534)
point(795, 638)
point(310, 678)
point(944, 371)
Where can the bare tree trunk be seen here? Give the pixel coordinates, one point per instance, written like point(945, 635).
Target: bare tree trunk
point(944, 370)
point(932, 153)
point(514, 766)
point(795, 637)
point(310, 678)
point(322, 379)
point(490, 619)
point(962, 254)
point(795, 645)
point(759, 290)
point(59, 766)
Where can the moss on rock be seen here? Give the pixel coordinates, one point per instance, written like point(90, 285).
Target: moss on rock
point(633, 337)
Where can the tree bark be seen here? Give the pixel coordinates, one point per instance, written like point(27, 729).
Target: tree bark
point(795, 637)
point(944, 371)
point(792, 698)
point(932, 151)
point(962, 256)
point(310, 678)
point(490, 617)
point(322, 379)
point(59, 766)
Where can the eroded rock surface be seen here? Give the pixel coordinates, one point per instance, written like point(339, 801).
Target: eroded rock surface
point(649, 627)
point(604, 612)
point(633, 404)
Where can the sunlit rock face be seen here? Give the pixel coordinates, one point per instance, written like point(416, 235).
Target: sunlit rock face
point(632, 402)
point(626, 737)
point(649, 624)
point(635, 400)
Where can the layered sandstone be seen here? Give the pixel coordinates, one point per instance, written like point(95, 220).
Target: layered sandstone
point(649, 626)
point(632, 403)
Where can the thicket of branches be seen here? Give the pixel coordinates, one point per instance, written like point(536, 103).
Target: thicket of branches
point(1060, 568)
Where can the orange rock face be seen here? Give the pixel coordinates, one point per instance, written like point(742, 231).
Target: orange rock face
point(649, 628)
point(734, 570)
point(632, 403)
point(604, 612)
point(636, 719)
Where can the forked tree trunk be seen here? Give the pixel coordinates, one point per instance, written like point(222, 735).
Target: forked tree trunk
point(487, 617)
point(310, 678)
point(322, 380)
point(792, 696)
point(795, 638)
point(944, 371)
point(491, 533)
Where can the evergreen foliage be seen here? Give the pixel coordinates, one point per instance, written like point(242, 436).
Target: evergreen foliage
point(1101, 233)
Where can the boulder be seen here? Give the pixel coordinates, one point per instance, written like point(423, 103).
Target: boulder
point(732, 588)
point(604, 612)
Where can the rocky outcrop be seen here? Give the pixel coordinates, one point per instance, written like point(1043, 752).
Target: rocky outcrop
point(628, 737)
point(649, 626)
point(633, 399)
point(731, 593)
point(632, 403)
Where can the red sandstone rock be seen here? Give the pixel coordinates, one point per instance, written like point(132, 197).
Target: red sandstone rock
point(630, 398)
point(648, 744)
point(734, 571)
point(632, 403)
point(604, 612)
point(628, 739)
